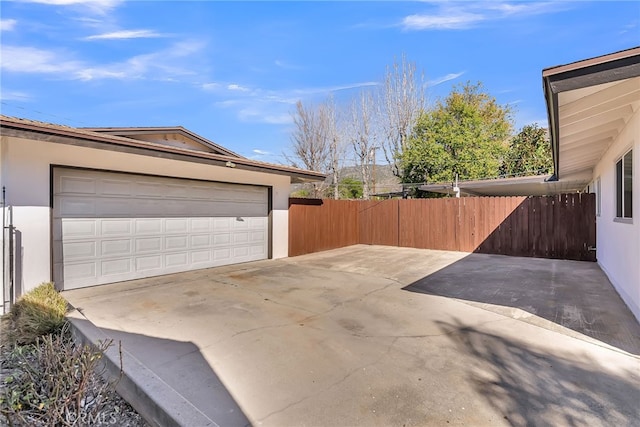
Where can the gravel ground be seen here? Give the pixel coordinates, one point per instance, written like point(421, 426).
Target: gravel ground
point(115, 411)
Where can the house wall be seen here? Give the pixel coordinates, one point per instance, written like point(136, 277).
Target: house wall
point(26, 175)
point(618, 243)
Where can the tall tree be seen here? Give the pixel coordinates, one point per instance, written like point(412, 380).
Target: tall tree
point(402, 100)
point(317, 141)
point(529, 153)
point(309, 146)
point(465, 134)
point(363, 136)
point(333, 123)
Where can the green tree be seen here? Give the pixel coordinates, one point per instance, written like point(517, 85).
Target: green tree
point(350, 188)
point(529, 153)
point(465, 134)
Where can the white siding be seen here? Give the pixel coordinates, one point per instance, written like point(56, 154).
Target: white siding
point(618, 243)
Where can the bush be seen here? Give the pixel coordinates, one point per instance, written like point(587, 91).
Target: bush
point(39, 312)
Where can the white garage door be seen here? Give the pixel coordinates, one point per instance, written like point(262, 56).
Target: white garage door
point(110, 227)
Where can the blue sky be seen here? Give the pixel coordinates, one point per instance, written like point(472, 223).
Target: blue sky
point(232, 71)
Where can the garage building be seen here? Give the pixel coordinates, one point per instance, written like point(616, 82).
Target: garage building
point(102, 205)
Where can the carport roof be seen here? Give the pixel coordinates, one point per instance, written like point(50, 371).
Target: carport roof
point(49, 132)
point(537, 185)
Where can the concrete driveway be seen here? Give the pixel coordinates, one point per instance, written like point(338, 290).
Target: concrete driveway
point(373, 335)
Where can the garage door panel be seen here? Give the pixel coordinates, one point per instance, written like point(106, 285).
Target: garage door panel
point(221, 239)
point(112, 207)
point(77, 185)
point(198, 225)
point(78, 229)
point(149, 190)
point(173, 243)
point(110, 227)
point(116, 267)
point(110, 248)
point(200, 241)
point(177, 259)
point(223, 254)
point(79, 250)
point(240, 237)
point(80, 272)
point(115, 187)
point(147, 226)
point(176, 208)
point(222, 223)
point(258, 250)
point(149, 244)
point(176, 225)
point(240, 252)
point(74, 206)
point(199, 257)
point(257, 236)
point(152, 262)
point(116, 227)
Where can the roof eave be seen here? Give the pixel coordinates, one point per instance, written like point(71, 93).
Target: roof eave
point(584, 73)
point(115, 143)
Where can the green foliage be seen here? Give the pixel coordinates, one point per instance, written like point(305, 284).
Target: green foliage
point(466, 134)
point(529, 153)
point(39, 312)
point(54, 382)
point(350, 188)
point(303, 193)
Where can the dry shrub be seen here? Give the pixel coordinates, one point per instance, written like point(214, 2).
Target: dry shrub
point(55, 382)
point(39, 312)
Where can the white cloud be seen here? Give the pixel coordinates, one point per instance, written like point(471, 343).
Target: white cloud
point(238, 88)
point(125, 34)
point(95, 6)
point(210, 86)
point(448, 16)
point(449, 21)
point(158, 65)
point(268, 105)
point(261, 152)
point(445, 78)
point(7, 24)
point(33, 60)
point(264, 115)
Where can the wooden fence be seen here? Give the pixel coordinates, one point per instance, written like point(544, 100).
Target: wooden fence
point(561, 226)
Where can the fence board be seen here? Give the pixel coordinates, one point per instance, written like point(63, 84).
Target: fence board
point(378, 222)
point(560, 226)
point(318, 225)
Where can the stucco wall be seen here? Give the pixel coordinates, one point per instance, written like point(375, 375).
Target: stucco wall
point(26, 175)
point(618, 243)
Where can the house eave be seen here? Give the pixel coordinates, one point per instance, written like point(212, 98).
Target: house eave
point(603, 69)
